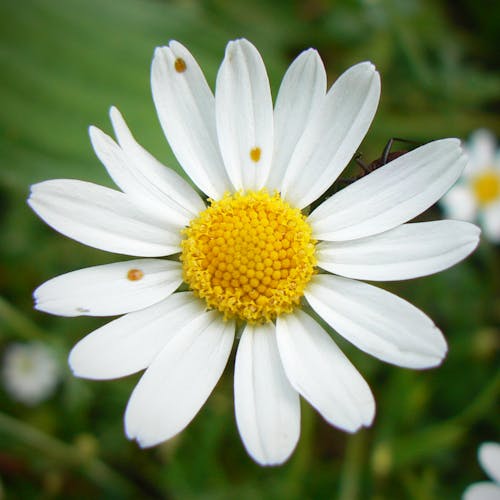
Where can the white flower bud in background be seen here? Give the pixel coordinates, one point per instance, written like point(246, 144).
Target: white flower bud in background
point(30, 372)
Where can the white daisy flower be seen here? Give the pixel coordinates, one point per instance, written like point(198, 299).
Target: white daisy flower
point(253, 255)
point(477, 194)
point(489, 458)
point(30, 372)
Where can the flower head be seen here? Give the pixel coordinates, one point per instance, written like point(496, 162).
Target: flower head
point(489, 458)
point(30, 372)
point(477, 194)
point(252, 255)
point(249, 255)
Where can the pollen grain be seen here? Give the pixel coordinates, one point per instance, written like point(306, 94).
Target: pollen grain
point(255, 154)
point(135, 275)
point(180, 65)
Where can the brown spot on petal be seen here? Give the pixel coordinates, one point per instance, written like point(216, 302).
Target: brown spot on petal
point(180, 65)
point(255, 154)
point(135, 275)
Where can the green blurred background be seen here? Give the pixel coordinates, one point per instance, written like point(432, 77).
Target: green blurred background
point(62, 64)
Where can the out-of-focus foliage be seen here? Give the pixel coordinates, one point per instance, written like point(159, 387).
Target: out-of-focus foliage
point(62, 64)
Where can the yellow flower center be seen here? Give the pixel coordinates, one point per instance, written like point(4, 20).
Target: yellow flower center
point(487, 187)
point(249, 255)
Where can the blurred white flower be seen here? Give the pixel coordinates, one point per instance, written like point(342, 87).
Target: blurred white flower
point(252, 256)
point(476, 196)
point(489, 458)
point(30, 372)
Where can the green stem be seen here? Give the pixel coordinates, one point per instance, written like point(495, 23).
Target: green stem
point(24, 327)
point(479, 406)
point(353, 467)
point(416, 447)
point(302, 459)
point(94, 469)
point(408, 44)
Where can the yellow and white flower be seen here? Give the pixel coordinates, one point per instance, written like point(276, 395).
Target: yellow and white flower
point(489, 458)
point(477, 194)
point(253, 255)
point(30, 372)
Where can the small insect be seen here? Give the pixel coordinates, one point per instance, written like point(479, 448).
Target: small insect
point(386, 157)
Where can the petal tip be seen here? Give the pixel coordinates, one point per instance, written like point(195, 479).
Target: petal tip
point(231, 48)
point(370, 416)
point(146, 443)
point(239, 44)
point(433, 361)
point(240, 41)
point(119, 126)
point(29, 199)
point(37, 304)
point(96, 135)
point(366, 66)
point(73, 365)
point(437, 351)
point(80, 363)
point(311, 51)
point(34, 193)
point(438, 361)
point(114, 113)
point(475, 236)
point(159, 60)
point(159, 50)
point(455, 142)
point(140, 437)
point(92, 130)
point(270, 460)
point(128, 432)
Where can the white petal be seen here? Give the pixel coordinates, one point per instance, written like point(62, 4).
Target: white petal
point(491, 222)
point(152, 186)
point(301, 93)
point(407, 251)
point(107, 290)
point(180, 379)
point(393, 194)
point(489, 458)
point(459, 203)
point(377, 322)
point(130, 343)
point(484, 490)
point(333, 135)
point(267, 407)
point(321, 373)
point(186, 108)
point(244, 113)
point(101, 218)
